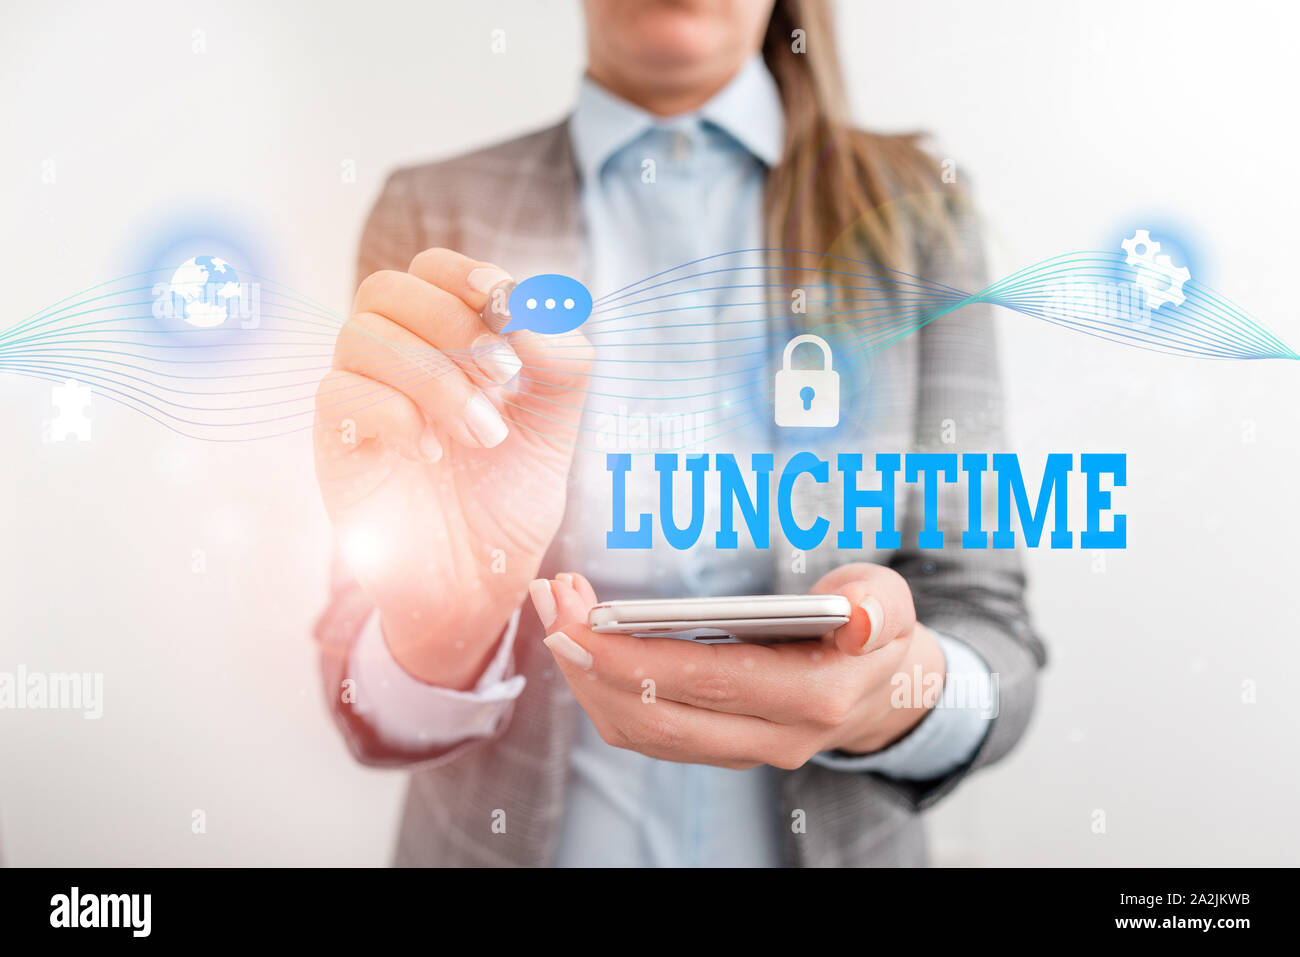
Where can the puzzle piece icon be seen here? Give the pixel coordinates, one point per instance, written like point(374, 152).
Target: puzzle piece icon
point(72, 399)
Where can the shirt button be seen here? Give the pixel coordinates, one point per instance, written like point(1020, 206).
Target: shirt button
point(681, 149)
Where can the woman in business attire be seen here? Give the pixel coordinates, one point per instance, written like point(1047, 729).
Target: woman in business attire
point(472, 506)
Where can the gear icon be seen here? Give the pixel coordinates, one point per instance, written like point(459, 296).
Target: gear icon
point(1159, 278)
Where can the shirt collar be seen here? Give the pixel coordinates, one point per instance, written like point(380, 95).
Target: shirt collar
point(748, 109)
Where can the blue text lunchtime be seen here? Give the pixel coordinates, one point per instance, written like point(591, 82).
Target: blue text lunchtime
point(929, 468)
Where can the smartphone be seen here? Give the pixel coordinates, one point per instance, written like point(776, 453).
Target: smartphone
point(759, 618)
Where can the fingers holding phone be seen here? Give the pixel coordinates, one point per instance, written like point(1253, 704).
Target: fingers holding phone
point(736, 704)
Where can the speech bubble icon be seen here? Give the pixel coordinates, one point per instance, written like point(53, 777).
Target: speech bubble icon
point(549, 303)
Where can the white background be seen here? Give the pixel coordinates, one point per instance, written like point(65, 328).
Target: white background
point(1073, 119)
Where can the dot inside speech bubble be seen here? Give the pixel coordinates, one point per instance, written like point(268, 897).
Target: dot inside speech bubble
point(549, 303)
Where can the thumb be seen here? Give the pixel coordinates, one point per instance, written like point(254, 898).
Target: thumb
point(553, 365)
point(552, 385)
point(876, 618)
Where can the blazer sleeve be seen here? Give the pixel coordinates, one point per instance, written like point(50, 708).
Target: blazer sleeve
point(974, 596)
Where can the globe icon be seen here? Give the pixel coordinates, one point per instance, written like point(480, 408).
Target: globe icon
point(204, 291)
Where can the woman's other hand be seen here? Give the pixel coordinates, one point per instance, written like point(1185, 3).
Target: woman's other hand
point(741, 705)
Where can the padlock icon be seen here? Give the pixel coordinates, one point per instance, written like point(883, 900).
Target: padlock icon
point(807, 398)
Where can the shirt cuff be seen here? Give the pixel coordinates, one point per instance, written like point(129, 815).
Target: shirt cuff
point(406, 712)
point(946, 738)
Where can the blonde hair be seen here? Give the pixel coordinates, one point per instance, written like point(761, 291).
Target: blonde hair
point(837, 188)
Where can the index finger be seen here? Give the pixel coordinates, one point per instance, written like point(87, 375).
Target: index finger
point(470, 280)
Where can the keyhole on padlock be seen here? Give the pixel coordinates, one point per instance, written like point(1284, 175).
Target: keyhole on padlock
point(806, 394)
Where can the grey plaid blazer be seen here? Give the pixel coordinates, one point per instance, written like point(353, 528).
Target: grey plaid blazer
point(516, 204)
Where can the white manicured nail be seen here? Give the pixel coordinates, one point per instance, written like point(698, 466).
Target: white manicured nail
point(876, 615)
point(568, 649)
point(430, 447)
point(540, 592)
point(495, 358)
point(484, 278)
point(485, 422)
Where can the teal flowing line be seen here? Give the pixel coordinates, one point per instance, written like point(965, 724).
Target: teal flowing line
point(73, 338)
point(1238, 324)
point(876, 267)
point(52, 314)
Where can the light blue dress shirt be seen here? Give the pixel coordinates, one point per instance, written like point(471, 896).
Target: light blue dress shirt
point(657, 193)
